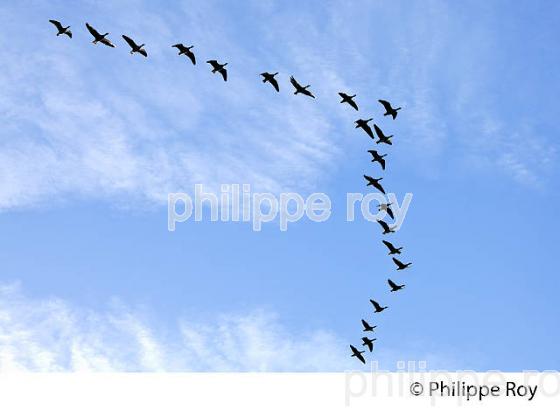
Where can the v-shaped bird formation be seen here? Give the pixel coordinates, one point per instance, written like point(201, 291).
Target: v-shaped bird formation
point(363, 124)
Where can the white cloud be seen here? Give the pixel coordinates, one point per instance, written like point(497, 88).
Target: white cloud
point(52, 335)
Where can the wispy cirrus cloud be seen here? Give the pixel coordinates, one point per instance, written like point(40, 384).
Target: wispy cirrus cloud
point(53, 335)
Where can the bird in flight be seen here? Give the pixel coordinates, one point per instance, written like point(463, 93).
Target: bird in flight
point(376, 157)
point(386, 208)
point(61, 29)
point(400, 265)
point(385, 227)
point(392, 249)
point(135, 48)
point(99, 38)
point(378, 308)
point(363, 124)
point(375, 183)
point(394, 286)
point(358, 354)
point(300, 89)
point(218, 68)
point(349, 100)
point(269, 78)
point(368, 342)
point(388, 109)
point(382, 138)
point(367, 326)
point(184, 50)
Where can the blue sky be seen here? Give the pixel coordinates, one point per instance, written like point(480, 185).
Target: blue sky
point(94, 139)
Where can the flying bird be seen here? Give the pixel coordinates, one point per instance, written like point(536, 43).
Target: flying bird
point(368, 342)
point(383, 139)
point(376, 157)
point(358, 354)
point(269, 78)
point(374, 182)
point(61, 29)
point(400, 265)
point(363, 124)
point(367, 326)
point(218, 68)
point(388, 109)
point(378, 308)
point(387, 208)
point(349, 100)
point(186, 51)
point(300, 89)
point(392, 249)
point(385, 227)
point(99, 38)
point(394, 286)
point(135, 48)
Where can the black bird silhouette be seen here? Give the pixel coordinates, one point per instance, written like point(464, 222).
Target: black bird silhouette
point(368, 342)
point(300, 89)
point(387, 208)
point(400, 265)
point(269, 78)
point(385, 227)
point(392, 249)
point(135, 48)
point(184, 50)
point(218, 68)
point(99, 38)
point(349, 100)
point(382, 138)
point(388, 109)
point(375, 183)
point(363, 124)
point(376, 157)
point(367, 326)
point(394, 286)
point(378, 308)
point(358, 354)
point(61, 30)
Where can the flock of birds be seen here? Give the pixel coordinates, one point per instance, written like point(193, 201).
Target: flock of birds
point(387, 229)
point(304, 90)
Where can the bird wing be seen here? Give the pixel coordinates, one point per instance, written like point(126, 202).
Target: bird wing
point(190, 55)
point(398, 263)
point(384, 225)
point(93, 31)
point(378, 131)
point(382, 162)
point(386, 105)
point(379, 187)
point(179, 46)
point(369, 179)
point(375, 304)
point(130, 42)
point(368, 130)
point(295, 83)
point(275, 84)
point(143, 52)
point(392, 284)
point(353, 104)
point(308, 93)
point(107, 42)
point(365, 324)
point(57, 24)
point(213, 63)
point(223, 72)
point(389, 245)
point(343, 96)
point(390, 213)
point(358, 354)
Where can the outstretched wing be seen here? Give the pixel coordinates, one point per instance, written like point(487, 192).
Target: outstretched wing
point(57, 25)
point(398, 263)
point(143, 52)
point(365, 324)
point(358, 354)
point(376, 305)
point(190, 55)
point(378, 131)
point(369, 179)
point(392, 284)
point(295, 83)
point(223, 72)
point(130, 42)
point(353, 104)
point(107, 42)
point(389, 245)
point(383, 225)
point(275, 84)
point(386, 105)
point(93, 31)
point(179, 47)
